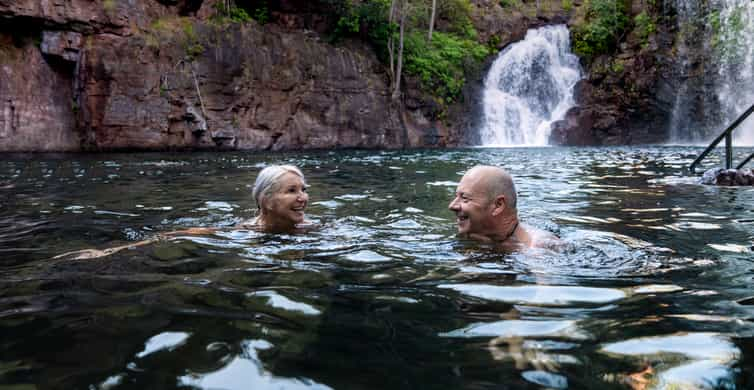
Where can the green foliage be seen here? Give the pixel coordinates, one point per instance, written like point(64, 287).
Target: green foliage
point(161, 31)
point(458, 12)
point(645, 26)
point(605, 22)
point(233, 14)
point(510, 3)
point(188, 29)
point(369, 19)
point(727, 33)
point(108, 6)
point(348, 25)
point(194, 50)
point(617, 66)
point(239, 15)
point(191, 41)
point(441, 63)
point(261, 15)
point(567, 5)
point(493, 43)
point(349, 22)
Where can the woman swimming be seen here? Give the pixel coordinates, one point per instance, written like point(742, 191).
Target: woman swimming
point(280, 194)
point(281, 198)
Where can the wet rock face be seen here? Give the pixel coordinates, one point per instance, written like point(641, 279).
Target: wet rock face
point(139, 74)
point(65, 45)
point(626, 97)
point(103, 77)
point(250, 87)
point(36, 113)
point(728, 177)
point(629, 95)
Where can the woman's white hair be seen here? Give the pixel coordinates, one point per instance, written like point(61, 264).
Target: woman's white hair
point(268, 181)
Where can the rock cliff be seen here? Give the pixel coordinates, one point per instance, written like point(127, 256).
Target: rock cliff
point(160, 75)
point(85, 75)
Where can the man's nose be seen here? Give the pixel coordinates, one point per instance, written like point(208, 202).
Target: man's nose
point(454, 204)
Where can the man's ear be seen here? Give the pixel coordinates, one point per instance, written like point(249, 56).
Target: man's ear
point(499, 205)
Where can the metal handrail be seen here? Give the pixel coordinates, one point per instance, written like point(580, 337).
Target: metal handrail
point(727, 134)
point(741, 165)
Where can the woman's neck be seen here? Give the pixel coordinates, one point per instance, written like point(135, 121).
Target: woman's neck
point(264, 223)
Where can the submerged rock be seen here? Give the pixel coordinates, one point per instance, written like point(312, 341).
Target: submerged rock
point(728, 177)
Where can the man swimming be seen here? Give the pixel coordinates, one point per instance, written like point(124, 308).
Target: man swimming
point(485, 207)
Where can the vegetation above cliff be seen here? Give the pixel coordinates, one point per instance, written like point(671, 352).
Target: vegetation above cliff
point(399, 31)
point(605, 22)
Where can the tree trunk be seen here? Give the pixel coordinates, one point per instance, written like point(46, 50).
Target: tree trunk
point(432, 19)
point(391, 41)
point(399, 65)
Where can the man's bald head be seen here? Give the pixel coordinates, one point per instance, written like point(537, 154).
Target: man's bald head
point(496, 181)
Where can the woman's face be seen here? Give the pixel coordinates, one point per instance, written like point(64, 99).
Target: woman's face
point(286, 205)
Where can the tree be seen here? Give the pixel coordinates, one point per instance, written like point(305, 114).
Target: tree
point(432, 19)
point(399, 64)
point(391, 41)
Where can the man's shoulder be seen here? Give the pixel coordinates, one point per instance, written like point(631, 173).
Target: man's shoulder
point(543, 239)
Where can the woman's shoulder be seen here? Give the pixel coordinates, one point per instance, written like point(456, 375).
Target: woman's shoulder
point(252, 223)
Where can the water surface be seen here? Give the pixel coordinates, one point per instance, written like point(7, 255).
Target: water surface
point(652, 291)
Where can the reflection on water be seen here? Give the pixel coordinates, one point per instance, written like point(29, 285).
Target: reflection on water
point(697, 360)
point(652, 291)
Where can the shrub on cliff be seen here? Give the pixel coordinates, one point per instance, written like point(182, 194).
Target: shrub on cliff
point(367, 20)
point(229, 12)
point(605, 22)
point(442, 63)
point(644, 26)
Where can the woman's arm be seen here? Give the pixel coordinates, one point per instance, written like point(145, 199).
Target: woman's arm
point(86, 254)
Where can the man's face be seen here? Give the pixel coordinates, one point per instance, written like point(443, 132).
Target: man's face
point(472, 205)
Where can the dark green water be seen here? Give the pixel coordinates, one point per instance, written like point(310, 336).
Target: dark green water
point(383, 295)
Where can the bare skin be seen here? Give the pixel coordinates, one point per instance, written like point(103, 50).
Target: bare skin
point(86, 254)
point(485, 208)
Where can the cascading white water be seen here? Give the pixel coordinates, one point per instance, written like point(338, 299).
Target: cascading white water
point(711, 97)
point(735, 88)
point(529, 86)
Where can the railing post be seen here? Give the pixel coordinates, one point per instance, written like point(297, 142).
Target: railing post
point(727, 134)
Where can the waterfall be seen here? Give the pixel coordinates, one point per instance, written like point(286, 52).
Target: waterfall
point(529, 86)
point(735, 88)
point(715, 48)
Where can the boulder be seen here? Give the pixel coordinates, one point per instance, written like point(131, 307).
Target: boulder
point(728, 177)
